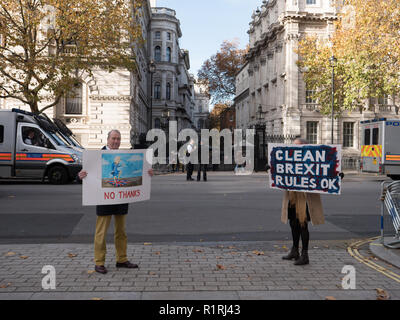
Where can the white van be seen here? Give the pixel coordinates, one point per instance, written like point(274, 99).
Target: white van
point(380, 150)
point(32, 147)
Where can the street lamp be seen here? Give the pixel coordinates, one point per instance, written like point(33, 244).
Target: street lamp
point(261, 127)
point(152, 70)
point(333, 62)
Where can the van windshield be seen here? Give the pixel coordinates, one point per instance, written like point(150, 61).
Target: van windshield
point(58, 139)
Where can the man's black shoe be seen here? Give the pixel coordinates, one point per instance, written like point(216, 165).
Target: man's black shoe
point(127, 265)
point(100, 269)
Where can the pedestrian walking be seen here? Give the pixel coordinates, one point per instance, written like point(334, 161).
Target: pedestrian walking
point(104, 215)
point(189, 167)
point(202, 166)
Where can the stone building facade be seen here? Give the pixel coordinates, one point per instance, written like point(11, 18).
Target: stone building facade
point(201, 109)
point(275, 83)
point(173, 85)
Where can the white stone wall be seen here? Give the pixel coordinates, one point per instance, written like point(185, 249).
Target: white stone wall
point(275, 82)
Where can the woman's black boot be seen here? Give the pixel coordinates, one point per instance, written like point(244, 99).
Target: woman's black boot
point(293, 254)
point(303, 260)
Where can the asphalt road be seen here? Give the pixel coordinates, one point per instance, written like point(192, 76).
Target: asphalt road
point(225, 208)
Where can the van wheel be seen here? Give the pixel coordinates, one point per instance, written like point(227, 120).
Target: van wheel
point(58, 175)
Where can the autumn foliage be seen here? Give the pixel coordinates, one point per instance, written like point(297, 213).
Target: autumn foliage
point(221, 69)
point(47, 44)
point(366, 43)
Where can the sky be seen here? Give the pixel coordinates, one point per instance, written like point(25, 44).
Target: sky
point(206, 24)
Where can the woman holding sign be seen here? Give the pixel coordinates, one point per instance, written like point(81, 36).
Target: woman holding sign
point(298, 208)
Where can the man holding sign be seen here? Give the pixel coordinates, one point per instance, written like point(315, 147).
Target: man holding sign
point(304, 172)
point(118, 190)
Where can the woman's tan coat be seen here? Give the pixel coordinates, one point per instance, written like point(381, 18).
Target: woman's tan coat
point(314, 208)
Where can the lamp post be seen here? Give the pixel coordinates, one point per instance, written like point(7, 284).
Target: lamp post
point(260, 126)
point(333, 61)
point(152, 70)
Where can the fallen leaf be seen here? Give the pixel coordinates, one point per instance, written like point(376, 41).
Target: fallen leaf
point(382, 294)
point(258, 253)
point(3, 286)
point(157, 253)
point(91, 271)
point(220, 246)
point(72, 255)
point(233, 252)
point(24, 257)
point(147, 244)
point(188, 260)
point(201, 240)
point(220, 267)
point(10, 254)
point(219, 257)
point(97, 299)
point(330, 298)
point(284, 247)
point(198, 250)
point(231, 247)
point(152, 273)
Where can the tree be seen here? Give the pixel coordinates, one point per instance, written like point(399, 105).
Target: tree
point(366, 43)
point(45, 45)
point(221, 69)
point(215, 115)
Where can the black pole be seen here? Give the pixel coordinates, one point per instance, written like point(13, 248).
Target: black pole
point(333, 98)
point(151, 101)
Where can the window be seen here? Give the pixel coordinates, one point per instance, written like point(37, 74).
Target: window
point(169, 54)
point(309, 96)
point(1, 134)
point(168, 91)
point(157, 35)
point(73, 101)
point(157, 123)
point(367, 137)
point(311, 2)
point(348, 134)
point(312, 132)
point(157, 90)
point(375, 136)
point(157, 53)
point(169, 36)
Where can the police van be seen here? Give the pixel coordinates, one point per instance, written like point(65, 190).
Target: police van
point(32, 146)
point(380, 150)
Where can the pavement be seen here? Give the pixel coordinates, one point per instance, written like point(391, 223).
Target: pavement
point(193, 271)
point(353, 269)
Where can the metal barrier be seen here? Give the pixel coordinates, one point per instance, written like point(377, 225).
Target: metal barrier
point(391, 201)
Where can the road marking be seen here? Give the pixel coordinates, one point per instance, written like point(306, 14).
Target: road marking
point(353, 251)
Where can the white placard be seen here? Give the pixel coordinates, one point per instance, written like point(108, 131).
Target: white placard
point(116, 176)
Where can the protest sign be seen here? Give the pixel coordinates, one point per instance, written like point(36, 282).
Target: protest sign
point(306, 168)
point(116, 176)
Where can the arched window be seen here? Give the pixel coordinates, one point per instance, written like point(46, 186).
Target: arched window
point(169, 54)
point(168, 91)
point(73, 101)
point(157, 53)
point(157, 123)
point(157, 90)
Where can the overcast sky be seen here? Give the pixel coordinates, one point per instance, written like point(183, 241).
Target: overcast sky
point(206, 24)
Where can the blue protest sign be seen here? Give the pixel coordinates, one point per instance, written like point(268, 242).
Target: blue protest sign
point(305, 168)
